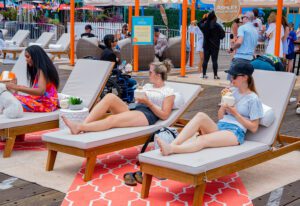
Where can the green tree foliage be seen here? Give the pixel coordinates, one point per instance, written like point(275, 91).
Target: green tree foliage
point(172, 14)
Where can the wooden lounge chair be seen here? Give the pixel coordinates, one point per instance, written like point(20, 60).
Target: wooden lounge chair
point(89, 145)
point(274, 88)
point(61, 47)
point(15, 44)
point(4, 32)
point(42, 41)
point(87, 81)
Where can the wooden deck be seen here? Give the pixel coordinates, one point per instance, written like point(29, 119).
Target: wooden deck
point(23, 193)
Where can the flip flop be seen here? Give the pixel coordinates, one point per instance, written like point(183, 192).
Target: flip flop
point(138, 176)
point(129, 179)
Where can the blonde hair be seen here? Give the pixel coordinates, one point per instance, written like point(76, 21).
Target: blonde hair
point(162, 68)
point(272, 17)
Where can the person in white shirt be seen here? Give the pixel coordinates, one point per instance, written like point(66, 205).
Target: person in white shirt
point(271, 33)
point(258, 24)
point(160, 44)
point(193, 28)
point(156, 104)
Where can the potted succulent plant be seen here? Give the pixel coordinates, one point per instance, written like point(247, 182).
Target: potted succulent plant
point(75, 103)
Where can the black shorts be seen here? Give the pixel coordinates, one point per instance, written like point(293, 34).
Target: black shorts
point(151, 117)
point(290, 56)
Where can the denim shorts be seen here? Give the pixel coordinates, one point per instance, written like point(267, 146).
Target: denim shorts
point(236, 130)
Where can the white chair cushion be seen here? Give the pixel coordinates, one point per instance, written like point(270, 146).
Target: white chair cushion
point(28, 119)
point(56, 46)
point(179, 101)
point(34, 43)
point(204, 160)
point(96, 139)
point(269, 116)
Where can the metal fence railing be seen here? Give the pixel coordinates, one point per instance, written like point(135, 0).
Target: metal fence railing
point(35, 29)
point(100, 29)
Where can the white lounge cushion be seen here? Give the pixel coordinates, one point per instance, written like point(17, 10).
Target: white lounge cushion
point(34, 43)
point(95, 139)
point(179, 101)
point(204, 160)
point(28, 119)
point(269, 116)
point(56, 46)
point(273, 91)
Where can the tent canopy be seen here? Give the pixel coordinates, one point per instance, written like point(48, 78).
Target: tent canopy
point(261, 3)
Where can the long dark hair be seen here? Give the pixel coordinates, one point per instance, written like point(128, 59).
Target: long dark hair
point(41, 61)
point(108, 40)
point(251, 84)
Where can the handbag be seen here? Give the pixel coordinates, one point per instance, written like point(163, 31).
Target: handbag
point(167, 134)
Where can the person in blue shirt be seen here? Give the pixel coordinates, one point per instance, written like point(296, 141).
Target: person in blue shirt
point(246, 42)
point(291, 48)
point(234, 121)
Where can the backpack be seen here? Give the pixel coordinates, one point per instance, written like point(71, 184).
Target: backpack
point(168, 134)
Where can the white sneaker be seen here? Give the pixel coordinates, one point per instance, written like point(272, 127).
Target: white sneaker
point(298, 110)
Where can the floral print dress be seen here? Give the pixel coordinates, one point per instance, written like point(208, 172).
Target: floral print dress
point(46, 103)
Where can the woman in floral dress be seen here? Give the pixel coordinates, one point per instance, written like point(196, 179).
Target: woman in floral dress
point(44, 82)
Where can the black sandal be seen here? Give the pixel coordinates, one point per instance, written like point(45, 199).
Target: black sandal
point(138, 176)
point(129, 179)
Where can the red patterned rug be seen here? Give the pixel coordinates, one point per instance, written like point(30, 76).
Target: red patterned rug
point(32, 141)
point(107, 187)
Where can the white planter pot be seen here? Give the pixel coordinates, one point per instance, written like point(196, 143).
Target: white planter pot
point(76, 107)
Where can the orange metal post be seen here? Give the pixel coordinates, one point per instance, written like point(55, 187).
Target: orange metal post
point(183, 37)
point(72, 32)
point(192, 36)
point(129, 18)
point(136, 48)
point(278, 27)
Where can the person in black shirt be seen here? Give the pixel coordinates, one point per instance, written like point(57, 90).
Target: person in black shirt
point(108, 53)
point(88, 30)
point(213, 33)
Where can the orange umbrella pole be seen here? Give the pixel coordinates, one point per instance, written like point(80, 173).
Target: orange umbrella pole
point(136, 48)
point(192, 36)
point(72, 32)
point(278, 27)
point(129, 18)
point(183, 37)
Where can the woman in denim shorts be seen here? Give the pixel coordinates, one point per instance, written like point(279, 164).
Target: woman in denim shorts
point(233, 121)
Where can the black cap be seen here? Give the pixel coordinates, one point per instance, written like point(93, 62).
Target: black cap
point(88, 26)
point(241, 68)
point(156, 29)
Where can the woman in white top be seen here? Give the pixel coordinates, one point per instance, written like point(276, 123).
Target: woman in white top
point(271, 33)
point(157, 104)
point(193, 28)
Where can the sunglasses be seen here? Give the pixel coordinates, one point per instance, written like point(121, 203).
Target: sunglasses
point(236, 76)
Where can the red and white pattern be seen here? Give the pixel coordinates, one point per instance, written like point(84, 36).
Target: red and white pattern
point(107, 187)
point(32, 141)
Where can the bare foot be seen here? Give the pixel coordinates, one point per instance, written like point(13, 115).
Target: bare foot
point(73, 126)
point(165, 148)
